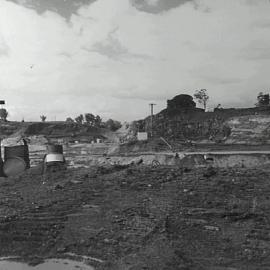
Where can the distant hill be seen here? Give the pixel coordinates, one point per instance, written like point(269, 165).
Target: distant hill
point(193, 124)
point(55, 130)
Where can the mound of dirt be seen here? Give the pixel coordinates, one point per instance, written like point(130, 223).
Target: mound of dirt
point(54, 130)
point(62, 129)
point(12, 129)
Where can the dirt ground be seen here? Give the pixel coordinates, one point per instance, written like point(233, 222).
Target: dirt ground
point(137, 217)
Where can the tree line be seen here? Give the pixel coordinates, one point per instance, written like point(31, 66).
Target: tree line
point(92, 120)
point(202, 97)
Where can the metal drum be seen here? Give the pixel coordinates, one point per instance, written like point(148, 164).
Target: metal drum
point(14, 166)
point(54, 154)
point(20, 151)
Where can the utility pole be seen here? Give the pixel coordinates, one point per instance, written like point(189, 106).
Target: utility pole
point(2, 102)
point(152, 113)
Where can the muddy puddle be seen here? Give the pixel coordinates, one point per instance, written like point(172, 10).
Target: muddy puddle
point(53, 264)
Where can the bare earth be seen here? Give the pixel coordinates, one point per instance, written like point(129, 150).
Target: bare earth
point(138, 217)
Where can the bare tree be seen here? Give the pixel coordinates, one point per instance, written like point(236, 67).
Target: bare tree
point(202, 97)
point(43, 118)
point(3, 114)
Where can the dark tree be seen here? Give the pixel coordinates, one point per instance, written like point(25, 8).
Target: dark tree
point(69, 120)
point(113, 124)
point(79, 119)
point(92, 120)
point(263, 100)
point(98, 121)
point(89, 119)
point(181, 102)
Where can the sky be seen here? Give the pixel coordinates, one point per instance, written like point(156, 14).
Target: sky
point(61, 58)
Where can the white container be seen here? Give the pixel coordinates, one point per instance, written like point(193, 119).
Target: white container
point(54, 158)
point(142, 136)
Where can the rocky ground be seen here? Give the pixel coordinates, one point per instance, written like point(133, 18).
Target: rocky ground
point(137, 217)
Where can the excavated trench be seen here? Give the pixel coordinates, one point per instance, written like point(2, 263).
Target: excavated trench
point(87, 155)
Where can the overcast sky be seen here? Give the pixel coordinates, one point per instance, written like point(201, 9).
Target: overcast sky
point(113, 57)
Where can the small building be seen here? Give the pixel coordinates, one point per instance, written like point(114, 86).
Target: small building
point(142, 136)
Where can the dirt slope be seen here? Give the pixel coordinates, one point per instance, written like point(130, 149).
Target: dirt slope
point(249, 129)
point(54, 130)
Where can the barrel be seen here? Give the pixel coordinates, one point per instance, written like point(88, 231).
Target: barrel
point(14, 166)
point(20, 151)
point(54, 154)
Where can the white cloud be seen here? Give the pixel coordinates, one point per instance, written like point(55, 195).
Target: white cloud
point(113, 59)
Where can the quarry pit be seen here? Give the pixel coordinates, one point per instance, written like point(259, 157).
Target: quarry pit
point(139, 217)
point(140, 205)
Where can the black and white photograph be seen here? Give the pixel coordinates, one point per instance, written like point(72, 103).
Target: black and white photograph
point(134, 135)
